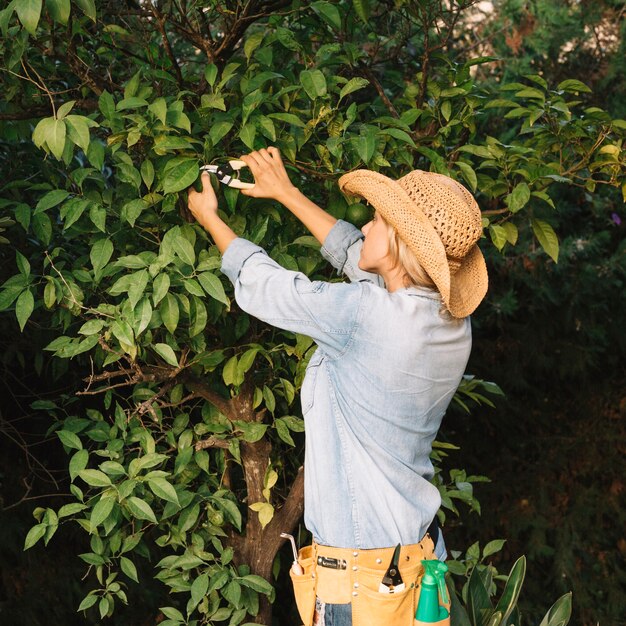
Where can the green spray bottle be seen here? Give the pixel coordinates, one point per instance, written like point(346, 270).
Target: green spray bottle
point(429, 609)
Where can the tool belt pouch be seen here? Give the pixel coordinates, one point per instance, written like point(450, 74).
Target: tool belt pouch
point(304, 586)
point(373, 608)
point(358, 583)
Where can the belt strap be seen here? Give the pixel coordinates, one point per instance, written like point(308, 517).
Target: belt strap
point(433, 530)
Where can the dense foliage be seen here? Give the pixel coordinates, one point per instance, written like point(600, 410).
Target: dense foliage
point(184, 437)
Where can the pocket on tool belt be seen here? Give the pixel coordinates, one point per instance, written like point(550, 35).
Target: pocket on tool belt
point(304, 586)
point(373, 608)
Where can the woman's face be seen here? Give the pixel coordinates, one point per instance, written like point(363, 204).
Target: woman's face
point(375, 251)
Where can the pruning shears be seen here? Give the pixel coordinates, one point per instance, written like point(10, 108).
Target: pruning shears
point(227, 174)
point(392, 580)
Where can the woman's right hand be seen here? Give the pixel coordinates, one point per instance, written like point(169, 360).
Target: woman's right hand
point(270, 176)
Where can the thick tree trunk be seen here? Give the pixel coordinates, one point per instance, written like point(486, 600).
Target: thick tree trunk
point(259, 546)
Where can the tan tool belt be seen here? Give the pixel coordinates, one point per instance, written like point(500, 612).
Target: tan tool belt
point(346, 576)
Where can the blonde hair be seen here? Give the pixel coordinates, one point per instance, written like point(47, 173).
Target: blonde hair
point(414, 274)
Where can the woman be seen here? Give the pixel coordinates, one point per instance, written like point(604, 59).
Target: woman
point(393, 346)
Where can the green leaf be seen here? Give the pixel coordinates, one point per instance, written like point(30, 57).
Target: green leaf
point(518, 198)
point(41, 131)
point(78, 463)
point(399, 134)
point(70, 439)
point(314, 83)
point(163, 489)
point(511, 232)
point(88, 7)
point(510, 595)
point(78, 131)
point(289, 118)
point(55, 138)
point(199, 588)
point(88, 602)
point(468, 173)
point(71, 509)
point(24, 307)
point(166, 353)
point(100, 255)
point(478, 602)
point(159, 109)
point(101, 511)
point(573, 86)
point(252, 431)
point(247, 134)
point(169, 312)
point(59, 10)
point(181, 176)
point(51, 199)
point(258, 583)
point(560, 612)
point(329, 12)
point(131, 103)
point(72, 210)
point(34, 535)
point(123, 331)
point(141, 509)
point(265, 511)
point(95, 154)
point(362, 9)
point(219, 130)
point(128, 567)
point(365, 145)
point(138, 286)
point(230, 372)
point(354, 84)
point(132, 210)
point(547, 238)
point(530, 92)
point(213, 286)
point(22, 264)
point(210, 73)
point(29, 12)
point(106, 104)
point(103, 607)
point(95, 478)
point(160, 286)
point(147, 172)
point(184, 250)
point(498, 236)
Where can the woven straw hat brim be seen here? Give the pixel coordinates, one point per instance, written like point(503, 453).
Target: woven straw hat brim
point(462, 291)
point(468, 285)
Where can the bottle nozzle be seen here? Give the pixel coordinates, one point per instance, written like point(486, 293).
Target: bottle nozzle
point(437, 571)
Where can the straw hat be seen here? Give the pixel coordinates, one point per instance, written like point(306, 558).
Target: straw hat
point(439, 221)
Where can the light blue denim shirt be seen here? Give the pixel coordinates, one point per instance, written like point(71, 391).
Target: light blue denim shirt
point(374, 393)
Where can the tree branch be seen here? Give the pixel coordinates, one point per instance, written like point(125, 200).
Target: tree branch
point(381, 92)
point(160, 21)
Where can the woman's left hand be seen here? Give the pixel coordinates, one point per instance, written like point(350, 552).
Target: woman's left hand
point(203, 205)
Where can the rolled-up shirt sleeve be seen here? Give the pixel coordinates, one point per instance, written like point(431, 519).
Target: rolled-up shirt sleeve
point(326, 312)
point(342, 249)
